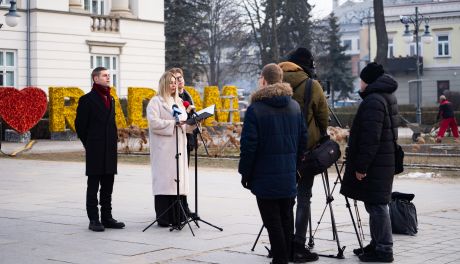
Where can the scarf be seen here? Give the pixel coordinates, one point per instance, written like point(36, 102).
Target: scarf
point(104, 92)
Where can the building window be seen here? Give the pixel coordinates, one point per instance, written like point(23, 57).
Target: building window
point(8, 68)
point(95, 7)
point(443, 45)
point(357, 44)
point(391, 48)
point(442, 86)
point(5, 3)
point(412, 48)
point(108, 61)
point(347, 44)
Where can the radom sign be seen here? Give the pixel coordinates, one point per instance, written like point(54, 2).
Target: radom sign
point(63, 102)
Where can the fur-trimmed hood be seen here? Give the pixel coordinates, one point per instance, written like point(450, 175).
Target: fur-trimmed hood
point(277, 94)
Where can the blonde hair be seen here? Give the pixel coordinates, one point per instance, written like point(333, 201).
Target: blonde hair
point(163, 88)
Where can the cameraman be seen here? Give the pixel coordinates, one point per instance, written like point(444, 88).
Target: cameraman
point(297, 70)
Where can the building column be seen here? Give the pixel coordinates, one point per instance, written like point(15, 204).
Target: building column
point(76, 6)
point(120, 8)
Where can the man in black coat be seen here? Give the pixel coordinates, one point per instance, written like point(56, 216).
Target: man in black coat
point(371, 159)
point(273, 136)
point(96, 128)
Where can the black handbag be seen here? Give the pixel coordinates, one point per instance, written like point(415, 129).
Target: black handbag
point(403, 214)
point(324, 154)
point(399, 153)
point(320, 158)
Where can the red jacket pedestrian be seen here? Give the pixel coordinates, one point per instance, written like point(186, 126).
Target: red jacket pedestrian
point(447, 116)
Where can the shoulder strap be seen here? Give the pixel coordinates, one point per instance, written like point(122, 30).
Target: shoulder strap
point(307, 96)
point(385, 104)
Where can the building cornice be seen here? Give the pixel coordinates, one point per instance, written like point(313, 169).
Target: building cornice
point(95, 43)
point(86, 14)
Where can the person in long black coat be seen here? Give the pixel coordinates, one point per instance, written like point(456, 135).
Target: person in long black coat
point(273, 136)
point(95, 126)
point(370, 158)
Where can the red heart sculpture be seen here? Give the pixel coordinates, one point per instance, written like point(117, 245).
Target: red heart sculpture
point(22, 109)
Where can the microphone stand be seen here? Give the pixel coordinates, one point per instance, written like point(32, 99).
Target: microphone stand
point(178, 225)
point(196, 217)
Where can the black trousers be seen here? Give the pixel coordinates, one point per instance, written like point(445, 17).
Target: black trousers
point(105, 181)
point(278, 217)
point(168, 215)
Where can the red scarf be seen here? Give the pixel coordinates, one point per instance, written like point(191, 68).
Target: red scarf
point(104, 92)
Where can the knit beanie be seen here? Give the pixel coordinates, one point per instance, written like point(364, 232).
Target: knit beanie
point(302, 57)
point(371, 72)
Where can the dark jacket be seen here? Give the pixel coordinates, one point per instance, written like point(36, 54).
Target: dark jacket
point(191, 144)
point(446, 110)
point(96, 128)
point(273, 135)
point(318, 115)
point(371, 146)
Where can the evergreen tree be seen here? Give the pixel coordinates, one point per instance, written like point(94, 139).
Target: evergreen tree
point(295, 25)
point(335, 65)
point(182, 22)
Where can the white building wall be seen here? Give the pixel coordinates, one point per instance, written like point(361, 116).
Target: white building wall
point(60, 54)
point(55, 5)
point(15, 39)
point(148, 10)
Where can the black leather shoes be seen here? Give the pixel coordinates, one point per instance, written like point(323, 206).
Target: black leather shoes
point(367, 249)
point(95, 226)
point(376, 256)
point(112, 223)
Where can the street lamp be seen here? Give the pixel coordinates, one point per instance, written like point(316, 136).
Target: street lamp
point(12, 17)
point(416, 20)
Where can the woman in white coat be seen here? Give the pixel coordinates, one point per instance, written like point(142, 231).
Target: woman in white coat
point(162, 135)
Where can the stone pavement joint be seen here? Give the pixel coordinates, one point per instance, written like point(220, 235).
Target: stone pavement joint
point(43, 220)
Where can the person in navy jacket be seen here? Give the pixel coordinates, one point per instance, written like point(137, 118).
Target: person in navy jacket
point(273, 136)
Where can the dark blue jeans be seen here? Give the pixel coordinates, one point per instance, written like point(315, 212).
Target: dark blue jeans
point(380, 227)
point(303, 209)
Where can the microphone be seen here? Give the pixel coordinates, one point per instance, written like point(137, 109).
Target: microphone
point(176, 112)
point(192, 108)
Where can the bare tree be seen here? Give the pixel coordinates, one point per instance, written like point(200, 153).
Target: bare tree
point(258, 21)
point(222, 30)
point(381, 31)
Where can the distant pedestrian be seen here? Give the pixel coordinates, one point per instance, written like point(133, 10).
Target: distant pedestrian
point(371, 159)
point(97, 130)
point(447, 116)
point(273, 136)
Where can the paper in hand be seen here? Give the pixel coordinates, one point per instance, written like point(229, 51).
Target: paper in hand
point(202, 114)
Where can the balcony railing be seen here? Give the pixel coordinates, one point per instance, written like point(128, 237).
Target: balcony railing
point(104, 24)
point(404, 64)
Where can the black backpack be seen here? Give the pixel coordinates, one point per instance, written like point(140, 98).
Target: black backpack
point(403, 214)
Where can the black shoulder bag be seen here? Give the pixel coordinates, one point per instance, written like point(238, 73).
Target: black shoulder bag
point(324, 154)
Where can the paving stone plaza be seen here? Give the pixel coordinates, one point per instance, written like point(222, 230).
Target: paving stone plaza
point(43, 219)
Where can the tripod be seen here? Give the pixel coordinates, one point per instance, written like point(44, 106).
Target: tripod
point(178, 225)
point(196, 217)
point(329, 199)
